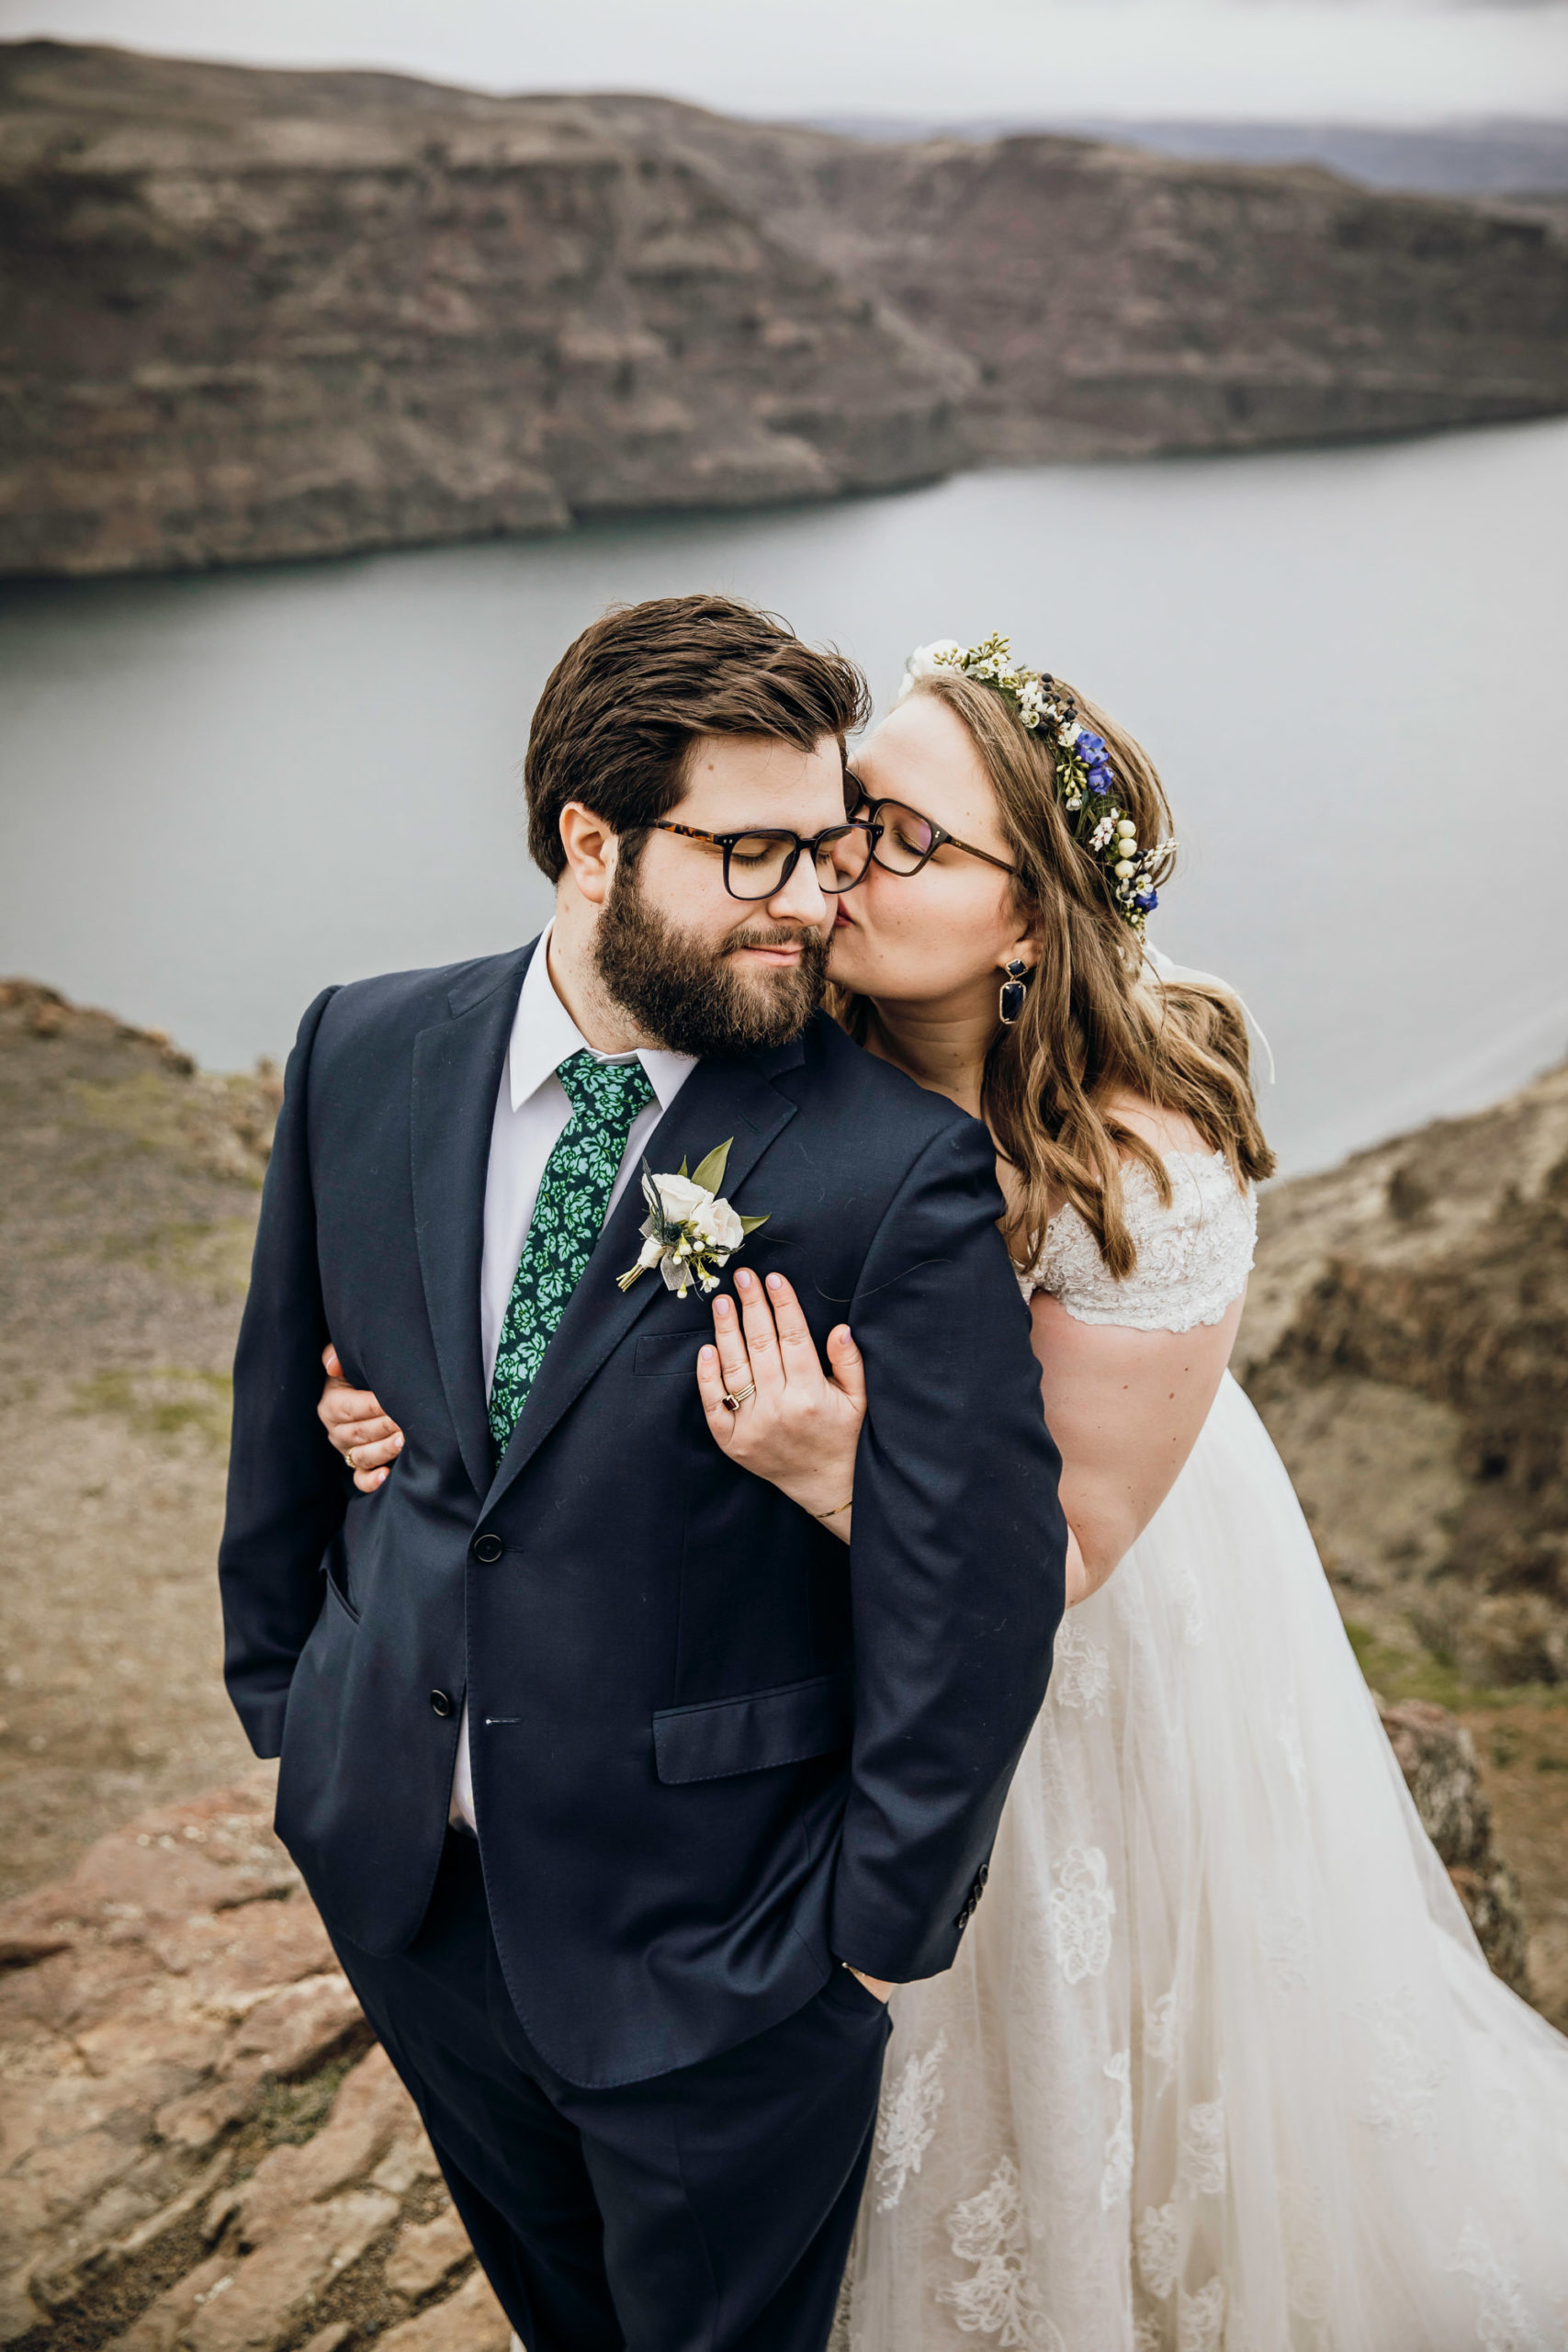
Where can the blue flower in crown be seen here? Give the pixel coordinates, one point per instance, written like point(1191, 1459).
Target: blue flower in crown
point(1145, 900)
point(1090, 749)
point(1098, 780)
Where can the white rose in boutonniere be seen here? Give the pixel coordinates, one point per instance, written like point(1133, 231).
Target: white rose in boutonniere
point(689, 1232)
point(679, 1198)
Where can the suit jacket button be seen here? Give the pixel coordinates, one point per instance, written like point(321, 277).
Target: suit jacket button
point(984, 1875)
point(441, 1702)
point(488, 1549)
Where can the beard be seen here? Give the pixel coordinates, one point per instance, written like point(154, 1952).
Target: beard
point(688, 993)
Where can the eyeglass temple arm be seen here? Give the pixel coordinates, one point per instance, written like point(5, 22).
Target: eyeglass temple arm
point(943, 837)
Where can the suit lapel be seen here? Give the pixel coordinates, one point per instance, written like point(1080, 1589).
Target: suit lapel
point(456, 1075)
point(720, 1099)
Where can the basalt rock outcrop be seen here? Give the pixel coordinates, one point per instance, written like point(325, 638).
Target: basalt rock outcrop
point(249, 315)
point(253, 315)
point(1114, 303)
point(1407, 1341)
point(203, 2150)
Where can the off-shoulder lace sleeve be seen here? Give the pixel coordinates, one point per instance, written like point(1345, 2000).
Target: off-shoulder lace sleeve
point(1193, 1256)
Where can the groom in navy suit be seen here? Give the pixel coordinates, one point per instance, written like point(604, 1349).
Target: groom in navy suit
point(624, 1795)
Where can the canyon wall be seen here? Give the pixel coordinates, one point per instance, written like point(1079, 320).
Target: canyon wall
point(247, 315)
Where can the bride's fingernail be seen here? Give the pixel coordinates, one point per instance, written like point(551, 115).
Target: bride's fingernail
point(722, 1308)
point(776, 1282)
point(398, 1443)
point(707, 1356)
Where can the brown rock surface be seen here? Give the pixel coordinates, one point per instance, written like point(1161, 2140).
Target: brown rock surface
point(262, 314)
point(313, 2208)
point(129, 1184)
point(1437, 1755)
point(1118, 302)
point(251, 314)
point(1407, 1341)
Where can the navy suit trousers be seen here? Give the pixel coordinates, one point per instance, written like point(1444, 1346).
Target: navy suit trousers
point(706, 2209)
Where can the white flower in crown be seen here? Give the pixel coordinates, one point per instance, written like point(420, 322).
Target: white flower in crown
point(689, 1233)
point(942, 654)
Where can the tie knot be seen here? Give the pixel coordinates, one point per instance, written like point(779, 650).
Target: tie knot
point(604, 1095)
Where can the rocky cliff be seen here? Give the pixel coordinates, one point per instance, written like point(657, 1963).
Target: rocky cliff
point(253, 314)
point(203, 2152)
point(1406, 1342)
point(1406, 1339)
point(1116, 302)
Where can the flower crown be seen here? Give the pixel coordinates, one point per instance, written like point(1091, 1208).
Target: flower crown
point(1086, 781)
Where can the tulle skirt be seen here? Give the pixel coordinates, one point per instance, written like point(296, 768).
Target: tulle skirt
point(1219, 2063)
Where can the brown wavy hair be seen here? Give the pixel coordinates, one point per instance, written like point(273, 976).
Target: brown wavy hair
point(1096, 1022)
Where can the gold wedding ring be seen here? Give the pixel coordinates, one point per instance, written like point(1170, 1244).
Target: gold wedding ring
point(348, 1457)
point(740, 1397)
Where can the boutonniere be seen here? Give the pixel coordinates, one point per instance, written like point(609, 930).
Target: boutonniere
point(689, 1231)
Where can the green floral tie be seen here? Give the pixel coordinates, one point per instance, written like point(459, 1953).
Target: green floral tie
point(574, 1193)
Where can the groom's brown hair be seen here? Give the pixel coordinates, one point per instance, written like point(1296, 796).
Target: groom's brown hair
point(625, 702)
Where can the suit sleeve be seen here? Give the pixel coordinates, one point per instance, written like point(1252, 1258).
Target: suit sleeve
point(956, 1564)
point(288, 1490)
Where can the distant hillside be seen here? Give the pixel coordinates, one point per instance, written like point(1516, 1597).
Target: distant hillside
point(247, 315)
point(1503, 156)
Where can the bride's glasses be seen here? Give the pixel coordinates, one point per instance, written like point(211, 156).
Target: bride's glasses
point(758, 862)
point(904, 841)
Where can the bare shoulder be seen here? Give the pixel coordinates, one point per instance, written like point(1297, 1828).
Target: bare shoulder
point(1171, 1132)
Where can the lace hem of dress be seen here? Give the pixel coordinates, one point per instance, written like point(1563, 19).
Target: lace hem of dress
point(1193, 1256)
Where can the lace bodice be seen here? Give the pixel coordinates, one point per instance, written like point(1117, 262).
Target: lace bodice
point(1193, 1256)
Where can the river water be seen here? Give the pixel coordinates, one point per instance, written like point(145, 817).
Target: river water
point(222, 792)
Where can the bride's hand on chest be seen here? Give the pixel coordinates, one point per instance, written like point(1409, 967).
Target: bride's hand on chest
point(771, 1407)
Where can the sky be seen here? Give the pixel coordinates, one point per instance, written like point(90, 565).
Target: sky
point(1353, 61)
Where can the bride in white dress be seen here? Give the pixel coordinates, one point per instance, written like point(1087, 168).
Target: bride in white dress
point(1220, 2066)
point(1220, 2062)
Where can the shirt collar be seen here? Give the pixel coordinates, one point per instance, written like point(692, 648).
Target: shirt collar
point(543, 1034)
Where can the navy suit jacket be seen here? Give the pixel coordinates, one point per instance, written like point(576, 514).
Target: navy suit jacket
point(712, 1748)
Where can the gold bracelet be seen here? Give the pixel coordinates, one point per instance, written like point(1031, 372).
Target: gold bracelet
point(833, 1514)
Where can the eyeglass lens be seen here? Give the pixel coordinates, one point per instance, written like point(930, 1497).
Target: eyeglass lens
point(906, 839)
point(757, 861)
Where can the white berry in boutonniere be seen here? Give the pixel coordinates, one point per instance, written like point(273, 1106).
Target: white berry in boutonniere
point(689, 1232)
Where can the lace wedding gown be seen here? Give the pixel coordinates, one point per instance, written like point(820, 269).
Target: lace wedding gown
point(1219, 2063)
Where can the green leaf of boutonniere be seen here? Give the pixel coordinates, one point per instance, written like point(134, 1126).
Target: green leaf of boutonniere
point(709, 1172)
point(749, 1224)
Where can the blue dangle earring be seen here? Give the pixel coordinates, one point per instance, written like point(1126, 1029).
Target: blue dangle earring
point(1009, 999)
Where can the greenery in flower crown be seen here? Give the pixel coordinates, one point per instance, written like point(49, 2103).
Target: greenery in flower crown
point(1085, 780)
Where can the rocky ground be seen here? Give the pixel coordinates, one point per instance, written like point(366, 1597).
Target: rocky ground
point(1406, 1342)
point(199, 2151)
point(202, 2150)
point(251, 314)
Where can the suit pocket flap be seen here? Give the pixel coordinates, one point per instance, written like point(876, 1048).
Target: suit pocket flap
point(664, 1354)
point(748, 1735)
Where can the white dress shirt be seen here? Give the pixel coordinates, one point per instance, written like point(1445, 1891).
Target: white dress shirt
point(531, 1109)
